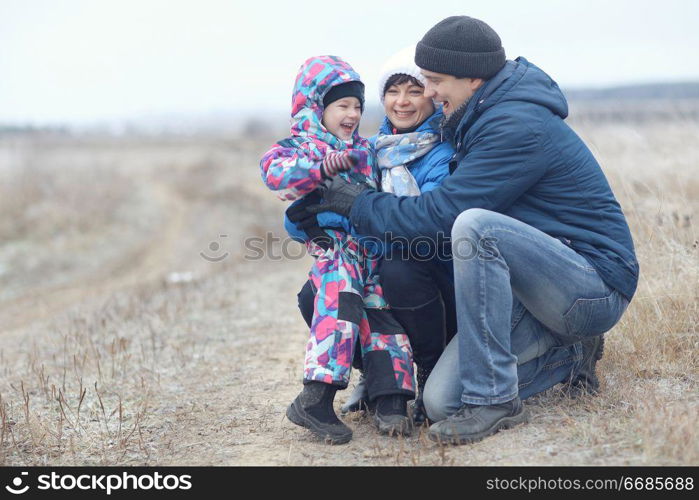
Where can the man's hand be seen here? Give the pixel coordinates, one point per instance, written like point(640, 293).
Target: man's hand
point(338, 196)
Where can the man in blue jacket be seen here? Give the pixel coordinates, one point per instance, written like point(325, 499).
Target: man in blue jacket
point(543, 259)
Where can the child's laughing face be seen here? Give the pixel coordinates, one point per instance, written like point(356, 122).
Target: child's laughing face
point(341, 117)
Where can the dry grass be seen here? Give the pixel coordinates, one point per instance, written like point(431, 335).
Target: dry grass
point(107, 361)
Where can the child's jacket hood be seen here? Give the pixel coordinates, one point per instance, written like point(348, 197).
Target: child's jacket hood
point(293, 167)
point(315, 78)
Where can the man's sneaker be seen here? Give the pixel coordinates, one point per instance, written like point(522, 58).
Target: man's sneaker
point(391, 416)
point(313, 409)
point(585, 380)
point(359, 399)
point(472, 423)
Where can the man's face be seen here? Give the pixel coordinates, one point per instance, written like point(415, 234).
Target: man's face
point(341, 117)
point(448, 90)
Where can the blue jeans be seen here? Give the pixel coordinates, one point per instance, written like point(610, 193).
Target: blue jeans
point(524, 302)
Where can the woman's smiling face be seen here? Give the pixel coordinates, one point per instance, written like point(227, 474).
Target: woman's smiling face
point(406, 105)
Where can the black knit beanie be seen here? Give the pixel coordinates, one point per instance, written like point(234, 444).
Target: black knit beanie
point(461, 46)
point(347, 89)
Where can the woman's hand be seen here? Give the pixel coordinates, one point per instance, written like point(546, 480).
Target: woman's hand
point(306, 221)
point(297, 211)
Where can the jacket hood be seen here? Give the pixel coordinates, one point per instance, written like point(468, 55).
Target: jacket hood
point(520, 81)
point(315, 78)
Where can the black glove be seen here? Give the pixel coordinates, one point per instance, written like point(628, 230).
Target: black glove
point(297, 212)
point(308, 222)
point(338, 196)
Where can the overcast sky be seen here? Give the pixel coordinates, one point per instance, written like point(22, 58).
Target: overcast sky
point(81, 61)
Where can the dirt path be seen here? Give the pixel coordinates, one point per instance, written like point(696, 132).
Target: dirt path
point(143, 264)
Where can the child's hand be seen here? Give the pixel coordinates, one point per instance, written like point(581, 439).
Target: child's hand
point(336, 162)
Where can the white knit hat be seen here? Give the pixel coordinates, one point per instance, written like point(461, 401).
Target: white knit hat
point(402, 62)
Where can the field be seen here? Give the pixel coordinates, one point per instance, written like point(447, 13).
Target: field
point(120, 344)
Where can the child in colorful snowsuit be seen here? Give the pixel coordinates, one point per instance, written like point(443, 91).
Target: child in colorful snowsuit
point(327, 103)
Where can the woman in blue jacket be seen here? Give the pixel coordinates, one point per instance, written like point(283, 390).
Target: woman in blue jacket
point(413, 160)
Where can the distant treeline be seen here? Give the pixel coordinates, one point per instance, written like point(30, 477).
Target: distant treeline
point(629, 104)
point(651, 91)
point(9, 129)
point(636, 103)
point(634, 110)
